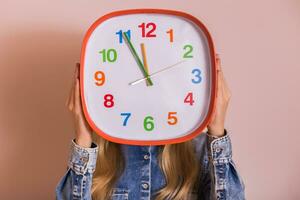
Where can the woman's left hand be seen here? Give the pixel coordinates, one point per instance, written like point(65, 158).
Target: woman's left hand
point(216, 125)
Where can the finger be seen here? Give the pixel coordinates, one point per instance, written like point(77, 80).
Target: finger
point(221, 75)
point(77, 96)
point(68, 99)
point(218, 62)
point(77, 90)
point(77, 70)
point(223, 81)
point(71, 94)
point(220, 85)
point(226, 91)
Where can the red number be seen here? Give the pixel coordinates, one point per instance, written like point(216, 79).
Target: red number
point(189, 98)
point(150, 33)
point(108, 100)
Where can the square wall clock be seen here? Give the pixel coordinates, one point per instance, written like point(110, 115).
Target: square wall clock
point(148, 76)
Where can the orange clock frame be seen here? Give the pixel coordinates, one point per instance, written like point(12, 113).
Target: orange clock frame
point(214, 79)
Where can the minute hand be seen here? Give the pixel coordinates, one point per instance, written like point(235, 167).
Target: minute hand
point(157, 72)
point(137, 58)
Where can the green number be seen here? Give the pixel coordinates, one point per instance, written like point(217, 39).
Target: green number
point(110, 55)
point(148, 123)
point(189, 50)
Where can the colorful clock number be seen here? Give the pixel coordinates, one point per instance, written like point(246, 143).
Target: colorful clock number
point(148, 123)
point(151, 26)
point(109, 55)
point(127, 115)
point(188, 51)
point(170, 32)
point(189, 99)
point(99, 78)
point(109, 100)
point(120, 33)
point(197, 79)
point(172, 119)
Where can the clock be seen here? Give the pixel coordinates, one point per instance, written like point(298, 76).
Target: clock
point(148, 76)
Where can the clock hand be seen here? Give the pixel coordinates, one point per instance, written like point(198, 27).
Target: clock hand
point(137, 58)
point(157, 72)
point(145, 60)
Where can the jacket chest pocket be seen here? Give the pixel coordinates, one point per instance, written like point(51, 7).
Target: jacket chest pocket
point(120, 194)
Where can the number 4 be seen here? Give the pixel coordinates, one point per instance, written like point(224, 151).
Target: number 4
point(189, 98)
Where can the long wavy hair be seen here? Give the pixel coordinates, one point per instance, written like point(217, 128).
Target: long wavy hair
point(177, 161)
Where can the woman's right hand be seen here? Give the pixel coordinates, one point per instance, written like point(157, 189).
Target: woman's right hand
point(83, 132)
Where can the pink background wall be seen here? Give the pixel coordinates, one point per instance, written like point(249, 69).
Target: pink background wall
point(259, 45)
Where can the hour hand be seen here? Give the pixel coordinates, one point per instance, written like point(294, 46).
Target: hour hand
point(137, 58)
point(145, 60)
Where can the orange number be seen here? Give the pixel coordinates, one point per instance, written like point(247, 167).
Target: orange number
point(99, 80)
point(172, 119)
point(170, 32)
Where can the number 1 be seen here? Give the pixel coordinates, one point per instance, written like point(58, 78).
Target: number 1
point(170, 32)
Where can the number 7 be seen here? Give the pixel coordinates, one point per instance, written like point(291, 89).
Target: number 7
point(127, 115)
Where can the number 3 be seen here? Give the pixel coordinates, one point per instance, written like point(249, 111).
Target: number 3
point(197, 73)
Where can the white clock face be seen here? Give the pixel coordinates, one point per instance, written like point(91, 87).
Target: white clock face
point(121, 103)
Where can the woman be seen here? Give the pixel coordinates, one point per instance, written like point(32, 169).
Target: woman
point(201, 168)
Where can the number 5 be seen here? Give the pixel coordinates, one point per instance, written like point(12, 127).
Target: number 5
point(172, 119)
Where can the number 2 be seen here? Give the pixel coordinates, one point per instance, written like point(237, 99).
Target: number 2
point(189, 50)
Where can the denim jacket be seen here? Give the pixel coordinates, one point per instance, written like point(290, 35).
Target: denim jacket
point(142, 177)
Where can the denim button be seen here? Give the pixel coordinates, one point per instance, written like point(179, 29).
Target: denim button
point(145, 185)
point(84, 159)
point(218, 149)
point(146, 157)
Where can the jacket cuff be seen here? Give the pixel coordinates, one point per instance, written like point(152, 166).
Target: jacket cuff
point(219, 148)
point(81, 159)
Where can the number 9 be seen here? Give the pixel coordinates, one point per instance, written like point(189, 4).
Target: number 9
point(99, 77)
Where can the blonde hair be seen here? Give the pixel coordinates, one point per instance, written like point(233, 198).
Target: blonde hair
point(177, 161)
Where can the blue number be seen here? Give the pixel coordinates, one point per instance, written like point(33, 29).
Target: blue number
point(127, 115)
point(197, 73)
point(120, 32)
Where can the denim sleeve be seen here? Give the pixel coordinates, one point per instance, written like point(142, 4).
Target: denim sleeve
point(221, 180)
point(77, 181)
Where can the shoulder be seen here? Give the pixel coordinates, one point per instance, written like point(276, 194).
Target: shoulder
point(200, 140)
point(200, 144)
